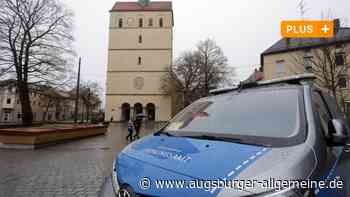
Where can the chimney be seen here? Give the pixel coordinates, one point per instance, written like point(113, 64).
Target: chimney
point(336, 25)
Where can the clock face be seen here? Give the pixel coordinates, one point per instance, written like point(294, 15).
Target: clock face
point(130, 21)
point(139, 83)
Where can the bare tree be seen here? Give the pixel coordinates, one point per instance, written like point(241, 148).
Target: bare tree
point(90, 96)
point(328, 63)
point(194, 73)
point(183, 78)
point(35, 45)
point(213, 64)
point(52, 99)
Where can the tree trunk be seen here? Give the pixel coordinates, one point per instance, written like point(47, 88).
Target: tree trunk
point(27, 114)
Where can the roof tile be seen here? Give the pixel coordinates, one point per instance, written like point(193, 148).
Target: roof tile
point(301, 43)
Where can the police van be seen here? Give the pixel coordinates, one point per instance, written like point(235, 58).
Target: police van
point(255, 135)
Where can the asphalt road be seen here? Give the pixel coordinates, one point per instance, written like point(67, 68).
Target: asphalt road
point(74, 169)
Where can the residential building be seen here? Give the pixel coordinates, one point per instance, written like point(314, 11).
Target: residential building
point(290, 56)
point(48, 104)
point(140, 51)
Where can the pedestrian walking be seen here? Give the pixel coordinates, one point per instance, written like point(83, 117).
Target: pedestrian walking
point(137, 125)
point(130, 130)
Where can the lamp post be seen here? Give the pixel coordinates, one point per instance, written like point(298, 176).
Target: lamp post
point(77, 94)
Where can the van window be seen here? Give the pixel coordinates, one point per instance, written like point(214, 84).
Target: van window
point(273, 113)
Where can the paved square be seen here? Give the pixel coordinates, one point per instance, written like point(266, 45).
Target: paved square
point(77, 168)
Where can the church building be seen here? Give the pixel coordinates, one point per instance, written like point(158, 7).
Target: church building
point(140, 51)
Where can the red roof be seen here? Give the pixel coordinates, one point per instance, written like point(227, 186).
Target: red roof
point(135, 6)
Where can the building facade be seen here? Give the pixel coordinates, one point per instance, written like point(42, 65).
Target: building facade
point(48, 104)
point(296, 56)
point(45, 107)
point(140, 51)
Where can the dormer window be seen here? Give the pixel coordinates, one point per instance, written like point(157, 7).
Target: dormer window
point(120, 23)
point(161, 22)
point(140, 22)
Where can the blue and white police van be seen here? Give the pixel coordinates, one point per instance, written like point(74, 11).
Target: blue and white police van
point(283, 130)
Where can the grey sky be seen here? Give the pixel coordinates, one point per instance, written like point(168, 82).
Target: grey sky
point(242, 28)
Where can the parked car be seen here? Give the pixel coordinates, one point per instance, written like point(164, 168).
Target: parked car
point(283, 129)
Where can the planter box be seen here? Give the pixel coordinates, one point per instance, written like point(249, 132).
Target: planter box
point(38, 136)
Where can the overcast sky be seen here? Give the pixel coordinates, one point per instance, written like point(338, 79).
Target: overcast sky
point(243, 28)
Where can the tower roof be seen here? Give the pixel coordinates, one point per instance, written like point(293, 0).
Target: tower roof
point(136, 6)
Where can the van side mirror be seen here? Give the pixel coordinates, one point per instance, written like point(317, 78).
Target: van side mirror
point(339, 131)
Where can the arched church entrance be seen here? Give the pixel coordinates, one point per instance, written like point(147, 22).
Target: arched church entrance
point(151, 111)
point(138, 109)
point(125, 112)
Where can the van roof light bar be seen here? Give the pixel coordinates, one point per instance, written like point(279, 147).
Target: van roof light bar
point(295, 79)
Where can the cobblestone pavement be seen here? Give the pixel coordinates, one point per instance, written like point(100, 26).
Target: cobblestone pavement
point(76, 168)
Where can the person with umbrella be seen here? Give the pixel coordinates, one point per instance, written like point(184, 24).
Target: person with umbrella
point(131, 128)
point(137, 125)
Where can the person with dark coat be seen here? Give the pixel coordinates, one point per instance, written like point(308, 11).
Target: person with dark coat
point(130, 130)
point(137, 125)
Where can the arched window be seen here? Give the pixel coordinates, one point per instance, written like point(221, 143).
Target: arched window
point(139, 61)
point(120, 23)
point(161, 22)
point(150, 22)
point(140, 39)
point(140, 22)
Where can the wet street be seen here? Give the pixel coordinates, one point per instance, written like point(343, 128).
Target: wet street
point(78, 168)
point(75, 169)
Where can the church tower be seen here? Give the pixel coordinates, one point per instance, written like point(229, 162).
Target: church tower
point(140, 51)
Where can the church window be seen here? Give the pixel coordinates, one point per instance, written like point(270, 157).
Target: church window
point(120, 23)
point(161, 22)
point(140, 22)
point(139, 61)
point(140, 39)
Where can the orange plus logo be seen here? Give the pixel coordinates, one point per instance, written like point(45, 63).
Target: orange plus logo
point(307, 29)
